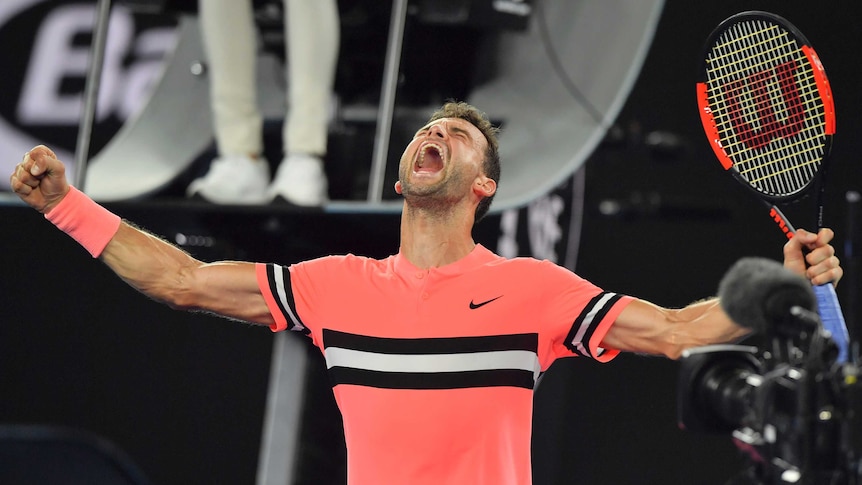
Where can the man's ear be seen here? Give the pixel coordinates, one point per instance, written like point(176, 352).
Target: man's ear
point(484, 186)
point(398, 187)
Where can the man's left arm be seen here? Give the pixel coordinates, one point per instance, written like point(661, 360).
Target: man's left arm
point(647, 328)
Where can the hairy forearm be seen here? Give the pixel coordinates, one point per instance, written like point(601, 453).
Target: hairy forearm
point(647, 328)
point(151, 265)
point(703, 323)
point(170, 275)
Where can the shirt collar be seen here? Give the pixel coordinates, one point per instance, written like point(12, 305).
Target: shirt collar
point(475, 258)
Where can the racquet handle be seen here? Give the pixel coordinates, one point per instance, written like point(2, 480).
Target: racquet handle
point(827, 300)
point(832, 318)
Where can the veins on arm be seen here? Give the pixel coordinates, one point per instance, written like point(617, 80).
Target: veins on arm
point(168, 274)
point(647, 328)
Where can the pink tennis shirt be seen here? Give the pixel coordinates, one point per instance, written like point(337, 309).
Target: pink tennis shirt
point(433, 370)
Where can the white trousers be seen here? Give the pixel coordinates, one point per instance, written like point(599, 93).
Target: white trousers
point(230, 44)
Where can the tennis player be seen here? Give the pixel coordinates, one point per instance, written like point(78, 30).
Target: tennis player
point(434, 351)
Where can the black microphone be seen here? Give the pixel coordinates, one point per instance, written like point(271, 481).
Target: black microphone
point(759, 294)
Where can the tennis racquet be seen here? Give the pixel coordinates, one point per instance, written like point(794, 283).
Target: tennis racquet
point(768, 113)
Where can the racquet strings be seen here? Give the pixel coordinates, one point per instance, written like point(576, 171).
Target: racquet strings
point(768, 111)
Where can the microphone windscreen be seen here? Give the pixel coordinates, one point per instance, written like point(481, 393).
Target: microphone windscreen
point(757, 292)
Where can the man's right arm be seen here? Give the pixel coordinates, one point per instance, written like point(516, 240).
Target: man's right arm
point(170, 275)
point(149, 264)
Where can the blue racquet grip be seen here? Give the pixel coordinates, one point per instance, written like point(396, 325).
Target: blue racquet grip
point(833, 321)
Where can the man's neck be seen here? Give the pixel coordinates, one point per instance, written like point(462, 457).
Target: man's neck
point(431, 240)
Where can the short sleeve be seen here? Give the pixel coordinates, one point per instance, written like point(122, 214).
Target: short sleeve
point(274, 283)
point(577, 315)
point(302, 296)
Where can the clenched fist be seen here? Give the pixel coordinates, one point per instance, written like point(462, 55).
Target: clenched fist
point(40, 179)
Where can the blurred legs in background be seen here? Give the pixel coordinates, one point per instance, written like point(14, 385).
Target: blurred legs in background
point(240, 174)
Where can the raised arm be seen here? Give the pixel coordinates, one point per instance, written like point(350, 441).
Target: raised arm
point(170, 275)
point(647, 328)
point(149, 264)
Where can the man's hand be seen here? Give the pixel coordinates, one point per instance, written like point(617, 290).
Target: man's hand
point(40, 179)
point(810, 255)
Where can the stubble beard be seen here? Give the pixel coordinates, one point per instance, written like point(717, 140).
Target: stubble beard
point(436, 198)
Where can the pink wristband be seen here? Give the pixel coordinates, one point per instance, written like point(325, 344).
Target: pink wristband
point(86, 221)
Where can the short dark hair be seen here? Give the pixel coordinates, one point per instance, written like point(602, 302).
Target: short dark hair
point(491, 165)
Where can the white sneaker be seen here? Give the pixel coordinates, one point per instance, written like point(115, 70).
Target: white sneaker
point(300, 180)
point(233, 179)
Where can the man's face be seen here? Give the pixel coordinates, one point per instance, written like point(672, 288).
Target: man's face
point(444, 157)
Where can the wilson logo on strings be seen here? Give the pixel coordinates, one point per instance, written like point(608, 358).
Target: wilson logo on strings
point(758, 94)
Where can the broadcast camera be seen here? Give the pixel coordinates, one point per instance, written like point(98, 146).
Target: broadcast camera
point(786, 402)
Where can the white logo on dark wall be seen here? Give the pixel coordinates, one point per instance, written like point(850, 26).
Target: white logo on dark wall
point(543, 229)
point(45, 72)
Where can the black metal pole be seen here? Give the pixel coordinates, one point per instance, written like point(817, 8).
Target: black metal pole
point(91, 91)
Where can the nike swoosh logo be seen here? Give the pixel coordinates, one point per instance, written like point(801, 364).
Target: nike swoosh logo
point(474, 306)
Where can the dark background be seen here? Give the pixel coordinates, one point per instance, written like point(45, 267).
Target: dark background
point(183, 394)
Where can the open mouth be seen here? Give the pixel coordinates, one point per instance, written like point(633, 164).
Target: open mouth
point(429, 159)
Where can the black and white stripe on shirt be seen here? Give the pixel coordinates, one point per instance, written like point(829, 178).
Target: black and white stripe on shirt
point(578, 340)
point(432, 363)
point(279, 285)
